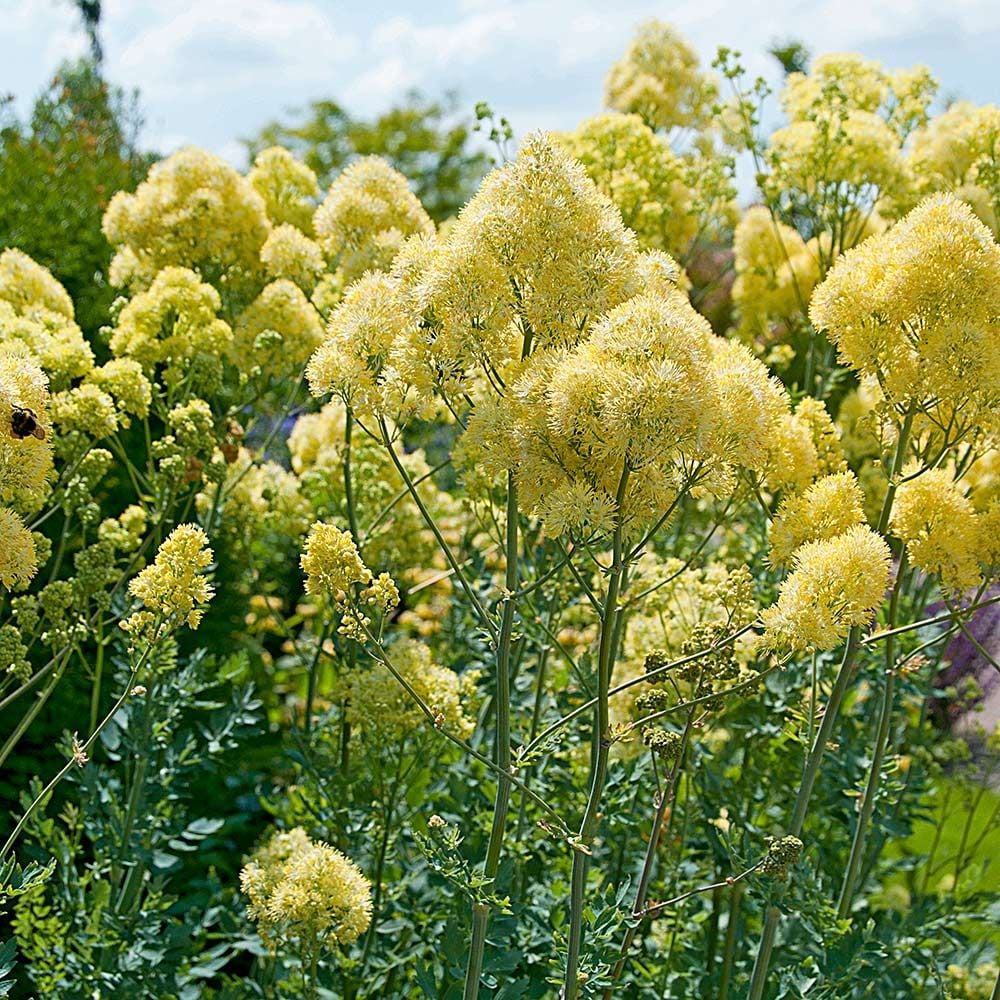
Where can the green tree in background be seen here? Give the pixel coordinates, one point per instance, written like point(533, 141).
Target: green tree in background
point(423, 139)
point(59, 169)
point(792, 54)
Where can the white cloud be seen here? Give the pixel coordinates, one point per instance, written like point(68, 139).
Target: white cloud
point(226, 44)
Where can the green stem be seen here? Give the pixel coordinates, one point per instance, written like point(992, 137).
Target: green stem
point(501, 806)
point(352, 518)
point(600, 746)
point(95, 694)
point(766, 946)
point(875, 772)
point(32, 713)
point(729, 949)
point(484, 618)
point(667, 800)
point(72, 761)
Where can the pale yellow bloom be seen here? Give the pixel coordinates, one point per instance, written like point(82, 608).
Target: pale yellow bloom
point(173, 587)
point(193, 211)
point(283, 312)
point(26, 469)
point(305, 890)
point(367, 214)
point(287, 186)
point(660, 78)
point(918, 308)
point(835, 584)
point(940, 527)
point(18, 561)
point(831, 506)
point(384, 712)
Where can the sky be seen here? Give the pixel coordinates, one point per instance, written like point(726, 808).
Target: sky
point(212, 71)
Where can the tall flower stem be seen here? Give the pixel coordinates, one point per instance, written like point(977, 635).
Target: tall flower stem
point(83, 751)
point(878, 756)
point(600, 745)
point(501, 806)
point(766, 946)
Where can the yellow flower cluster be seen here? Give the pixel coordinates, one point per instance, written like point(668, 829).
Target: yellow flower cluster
point(331, 563)
point(957, 152)
point(124, 381)
point(641, 174)
point(27, 285)
point(806, 445)
point(26, 468)
point(835, 584)
point(842, 150)
point(192, 211)
point(307, 891)
point(173, 588)
point(918, 308)
point(171, 323)
point(362, 333)
point(539, 246)
point(259, 497)
point(940, 527)
point(653, 391)
point(36, 318)
point(660, 79)
point(367, 213)
point(292, 328)
point(289, 253)
point(383, 712)
point(335, 572)
point(977, 983)
point(401, 539)
point(86, 409)
point(287, 186)
point(831, 506)
point(535, 258)
point(18, 560)
point(776, 270)
point(849, 80)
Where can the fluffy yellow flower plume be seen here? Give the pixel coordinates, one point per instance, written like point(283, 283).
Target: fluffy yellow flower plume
point(367, 213)
point(538, 244)
point(281, 309)
point(775, 272)
point(831, 506)
point(641, 174)
point(362, 332)
point(849, 80)
point(173, 588)
point(25, 460)
point(18, 561)
point(26, 285)
point(36, 319)
point(956, 152)
point(193, 210)
point(124, 381)
point(660, 78)
point(940, 527)
point(331, 563)
point(653, 390)
point(306, 891)
point(751, 406)
point(289, 253)
point(918, 307)
point(171, 323)
point(287, 186)
point(835, 584)
point(381, 710)
point(859, 153)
